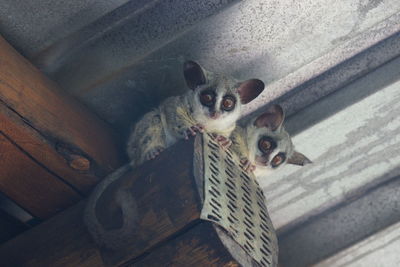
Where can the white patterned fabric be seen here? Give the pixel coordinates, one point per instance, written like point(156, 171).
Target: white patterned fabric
point(234, 200)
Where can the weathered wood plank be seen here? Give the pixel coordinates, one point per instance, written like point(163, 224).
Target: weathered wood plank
point(10, 227)
point(36, 189)
point(167, 199)
point(41, 150)
point(205, 244)
point(167, 230)
point(51, 126)
point(59, 241)
point(200, 246)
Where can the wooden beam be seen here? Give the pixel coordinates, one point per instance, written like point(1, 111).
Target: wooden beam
point(166, 200)
point(59, 241)
point(167, 197)
point(10, 227)
point(55, 132)
point(168, 228)
point(202, 245)
point(45, 196)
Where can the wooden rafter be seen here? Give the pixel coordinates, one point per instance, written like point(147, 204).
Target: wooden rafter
point(168, 230)
point(53, 150)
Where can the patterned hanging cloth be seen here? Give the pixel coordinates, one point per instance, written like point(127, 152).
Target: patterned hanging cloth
point(234, 200)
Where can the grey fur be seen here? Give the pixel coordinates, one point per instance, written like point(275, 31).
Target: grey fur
point(245, 143)
point(176, 118)
point(116, 238)
point(172, 120)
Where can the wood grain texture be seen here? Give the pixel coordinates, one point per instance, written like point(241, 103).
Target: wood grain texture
point(166, 196)
point(167, 200)
point(59, 241)
point(37, 190)
point(42, 151)
point(199, 246)
point(169, 232)
point(44, 122)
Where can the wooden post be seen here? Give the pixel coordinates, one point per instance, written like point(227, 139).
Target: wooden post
point(167, 231)
point(52, 149)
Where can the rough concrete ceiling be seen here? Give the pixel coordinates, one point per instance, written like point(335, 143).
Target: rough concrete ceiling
point(33, 26)
point(116, 55)
point(352, 189)
point(120, 57)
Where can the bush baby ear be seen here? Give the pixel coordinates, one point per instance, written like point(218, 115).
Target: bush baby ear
point(272, 118)
point(298, 159)
point(194, 74)
point(249, 90)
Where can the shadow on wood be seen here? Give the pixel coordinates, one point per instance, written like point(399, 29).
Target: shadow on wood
point(168, 229)
point(63, 147)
